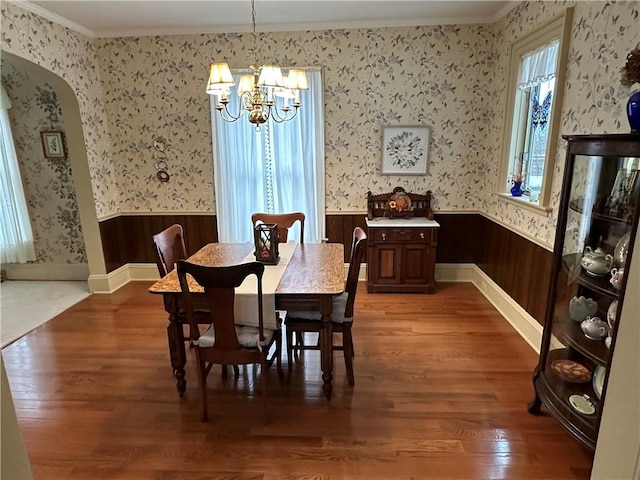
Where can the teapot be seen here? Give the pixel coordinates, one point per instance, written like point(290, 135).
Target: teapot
point(596, 262)
point(582, 307)
point(594, 328)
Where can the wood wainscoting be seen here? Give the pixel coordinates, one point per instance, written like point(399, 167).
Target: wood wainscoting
point(517, 265)
point(128, 238)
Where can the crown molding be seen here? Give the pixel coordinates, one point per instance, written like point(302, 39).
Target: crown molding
point(25, 5)
point(505, 10)
point(290, 27)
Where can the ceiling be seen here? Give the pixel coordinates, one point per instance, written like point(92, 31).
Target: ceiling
point(138, 18)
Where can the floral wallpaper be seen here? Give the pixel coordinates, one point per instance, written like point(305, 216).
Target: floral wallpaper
point(372, 77)
point(594, 100)
point(49, 190)
point(449, 77)
point(71, 56)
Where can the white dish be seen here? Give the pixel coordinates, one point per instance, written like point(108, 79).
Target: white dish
point(582, 404)
point(611, 314)
point(598, 380)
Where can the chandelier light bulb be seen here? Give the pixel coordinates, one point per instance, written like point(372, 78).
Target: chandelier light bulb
point(257, 92)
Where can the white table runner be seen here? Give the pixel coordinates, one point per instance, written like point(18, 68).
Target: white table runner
point(246, 301)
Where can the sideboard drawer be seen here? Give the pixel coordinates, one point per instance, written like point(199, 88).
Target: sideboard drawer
point(403, 235)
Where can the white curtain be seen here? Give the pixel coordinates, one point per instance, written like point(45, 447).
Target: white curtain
point(538, 66)
point(16, 237)
point(279, 169)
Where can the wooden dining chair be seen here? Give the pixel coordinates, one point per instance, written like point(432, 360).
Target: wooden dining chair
point(224, 342)
point(341, 316)
point(169, 247)
point(284, 220)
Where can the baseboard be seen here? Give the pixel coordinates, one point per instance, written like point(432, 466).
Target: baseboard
point(110, 282)
point(523, 323)
point(46, 271)
point(99, 284)
point(455, 272)
point(143, 272)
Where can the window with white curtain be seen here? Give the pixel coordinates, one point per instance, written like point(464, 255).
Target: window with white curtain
point(278, 169)
point(16, 236)
point(534, 99)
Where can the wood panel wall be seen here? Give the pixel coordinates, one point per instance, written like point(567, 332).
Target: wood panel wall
point(520, 267)
point(128, 238)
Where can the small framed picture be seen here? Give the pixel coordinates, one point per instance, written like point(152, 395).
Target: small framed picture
point(405, 150)
point(53, 144)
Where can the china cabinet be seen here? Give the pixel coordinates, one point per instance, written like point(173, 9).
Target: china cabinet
point(403, 237)
point(597, 224)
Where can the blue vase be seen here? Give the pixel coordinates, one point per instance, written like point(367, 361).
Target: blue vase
point(633, 112)
point(516, 190)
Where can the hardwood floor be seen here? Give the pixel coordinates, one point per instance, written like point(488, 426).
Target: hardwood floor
point(442, 386)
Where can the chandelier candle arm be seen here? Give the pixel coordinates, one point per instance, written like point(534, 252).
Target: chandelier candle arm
point(258, 91)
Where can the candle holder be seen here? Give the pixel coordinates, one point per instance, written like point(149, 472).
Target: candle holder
point(265, 238)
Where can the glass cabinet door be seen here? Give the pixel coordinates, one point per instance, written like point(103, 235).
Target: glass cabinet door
point(598, 218)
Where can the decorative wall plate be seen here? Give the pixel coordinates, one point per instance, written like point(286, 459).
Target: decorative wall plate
point(571, 371)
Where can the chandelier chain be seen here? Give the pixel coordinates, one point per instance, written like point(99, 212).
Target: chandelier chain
point(255, 35)
point(258, 92)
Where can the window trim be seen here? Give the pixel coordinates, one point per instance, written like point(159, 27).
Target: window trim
point(558, 27)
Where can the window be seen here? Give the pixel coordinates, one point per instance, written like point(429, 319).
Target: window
point(536, 82)
point(278, 169)
point(16, 236)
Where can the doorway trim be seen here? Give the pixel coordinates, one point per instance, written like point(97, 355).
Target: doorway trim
point(98, 280)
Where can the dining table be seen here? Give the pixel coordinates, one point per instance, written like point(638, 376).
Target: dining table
point(315, 273)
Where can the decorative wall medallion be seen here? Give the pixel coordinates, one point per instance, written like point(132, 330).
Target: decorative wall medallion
point(160, 143)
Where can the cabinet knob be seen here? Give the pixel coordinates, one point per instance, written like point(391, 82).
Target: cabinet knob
point(422, 235)
point(384, 237)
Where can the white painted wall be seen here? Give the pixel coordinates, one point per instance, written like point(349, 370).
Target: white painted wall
point(14, 463)
point(618, 448)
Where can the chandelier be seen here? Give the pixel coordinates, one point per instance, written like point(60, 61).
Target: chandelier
point(258, 91)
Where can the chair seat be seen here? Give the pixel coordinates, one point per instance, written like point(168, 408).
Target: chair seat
point(248, 337)
point(337, 314)
point(299, 323)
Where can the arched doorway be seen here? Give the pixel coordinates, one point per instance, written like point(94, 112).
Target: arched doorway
point(79, 165)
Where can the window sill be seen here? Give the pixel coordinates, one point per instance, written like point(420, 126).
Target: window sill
point(525, 203)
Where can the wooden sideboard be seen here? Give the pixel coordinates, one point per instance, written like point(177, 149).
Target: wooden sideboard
point(401, 255)
point(403, 238)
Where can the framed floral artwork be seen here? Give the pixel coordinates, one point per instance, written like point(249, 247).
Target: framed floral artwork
point(405, 150)
point(53, 144)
